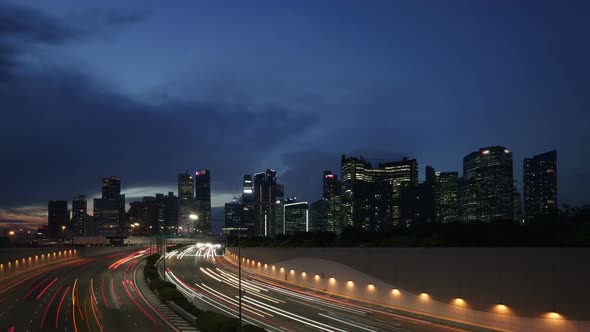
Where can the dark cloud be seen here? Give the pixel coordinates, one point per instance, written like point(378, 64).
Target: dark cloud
point(435, 92)
point(63, 134)
point(31, 25)
point(22, 28)
point(62, 131)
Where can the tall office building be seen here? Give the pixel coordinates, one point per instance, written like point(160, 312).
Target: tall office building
point(447, 197)
point(203, 201)
point(318, 216)
point(144, 217)
point(161, 204)
point(517, 213)
point(371, 196)
point(248, 216)
point(331, 185)
point(111, 190)
point(233, 215)
point(279, 218)
point(106, 217)
point(57, 216)
point(248, 185)
point(187, 212)
point(540, 186)
point(325, 214)
point(111, 187)
point(397, 175)
point(417, 203)
point(427, 192)
point(266, 191)
point(488, 185)
point(79, 214)
point(295, 217)
point(356, 192)
point(168, 212)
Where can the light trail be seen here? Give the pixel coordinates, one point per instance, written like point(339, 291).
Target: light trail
point(73, 306)
point(104, 298)
point(32, 290)
point(295, 317)
point(59, 307)
point(347, 323)
point(46, 288)
point(93, 304)
point(114, 292)
point(137, 304)
point(48, 306)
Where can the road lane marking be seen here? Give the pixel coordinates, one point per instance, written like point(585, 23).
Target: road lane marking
point(74, 305)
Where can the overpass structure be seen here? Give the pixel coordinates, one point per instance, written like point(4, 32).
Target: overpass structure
point(504, 289)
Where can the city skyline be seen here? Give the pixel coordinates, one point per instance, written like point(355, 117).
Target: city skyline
point(300, 105)
point(487, 172)
point(219, 201)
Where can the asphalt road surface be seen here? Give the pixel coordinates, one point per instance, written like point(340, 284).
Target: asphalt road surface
point(212, 283)
point(84, 294)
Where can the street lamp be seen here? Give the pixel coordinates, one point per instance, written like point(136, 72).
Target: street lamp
point(193, 217)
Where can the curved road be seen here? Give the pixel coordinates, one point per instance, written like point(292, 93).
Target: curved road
point(211, 282)
point(84, 294)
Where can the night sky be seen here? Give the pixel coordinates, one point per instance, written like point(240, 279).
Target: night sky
point(146, 89)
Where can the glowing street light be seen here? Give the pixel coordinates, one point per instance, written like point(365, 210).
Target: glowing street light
point(193, 217)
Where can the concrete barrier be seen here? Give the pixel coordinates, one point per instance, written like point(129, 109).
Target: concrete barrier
point(511, 289)
point(18, 260)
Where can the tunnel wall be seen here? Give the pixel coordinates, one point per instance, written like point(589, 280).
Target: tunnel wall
point(17, 260)
point(515, 289)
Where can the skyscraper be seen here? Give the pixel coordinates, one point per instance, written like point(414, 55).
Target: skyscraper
point(447, 197)
point(427, 192)
point(79, 213)
point(106, 217)
point(203, 201)
point(295, 217)
point(318, 216)
point(144, 216)
point(325, 214)
point(371, 196)
point(266, 191)
point(57, 216)
point(488, 185)
point(186, 204)
point(279, 218)
point(331, 185)
point(397, 175)
point(356, 191)
point(540, 186)
point(248, 185)
point(168, 212)
point(111, 187)
point(248, 216)
point(111, 190)
point(233, 214)
point(517, 213)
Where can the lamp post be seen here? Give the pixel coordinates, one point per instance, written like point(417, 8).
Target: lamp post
point(239, 280)
point(193, 217)
point(164, 240)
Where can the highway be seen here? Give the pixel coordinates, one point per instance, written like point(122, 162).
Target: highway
point(212, 283)
point(84, 294)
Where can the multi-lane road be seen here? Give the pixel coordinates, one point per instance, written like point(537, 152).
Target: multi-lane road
point(211, 282)
point(84, 294)
point(102, 294)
